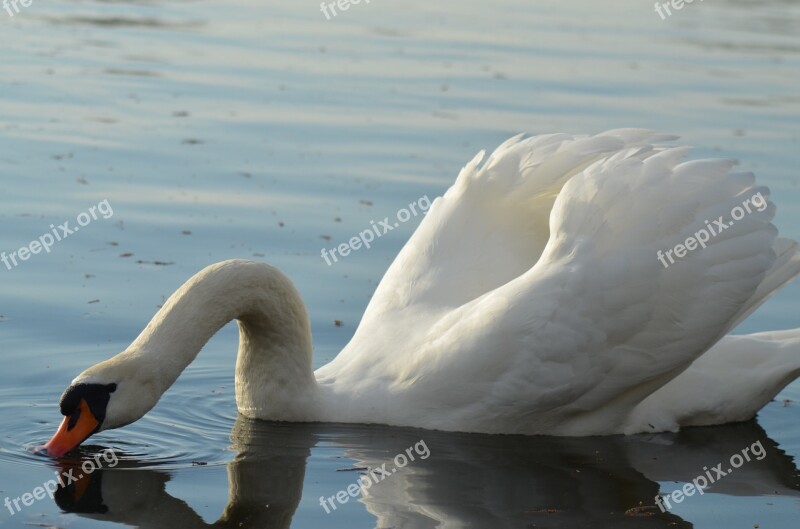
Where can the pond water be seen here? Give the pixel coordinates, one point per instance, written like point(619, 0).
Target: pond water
point(263, 130)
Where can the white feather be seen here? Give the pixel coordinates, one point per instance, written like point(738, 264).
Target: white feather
point(531, 299)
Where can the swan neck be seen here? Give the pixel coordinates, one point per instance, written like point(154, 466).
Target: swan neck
point(274, 362)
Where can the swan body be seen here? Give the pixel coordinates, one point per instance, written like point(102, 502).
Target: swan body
point(530, 300)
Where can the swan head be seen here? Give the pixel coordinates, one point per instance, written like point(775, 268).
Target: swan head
point(109, 395)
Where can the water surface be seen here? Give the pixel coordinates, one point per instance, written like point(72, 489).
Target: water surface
point(259, 129)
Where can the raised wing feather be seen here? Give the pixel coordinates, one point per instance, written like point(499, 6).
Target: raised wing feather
point(492, 224)
point(599, 322)
point(534, 297)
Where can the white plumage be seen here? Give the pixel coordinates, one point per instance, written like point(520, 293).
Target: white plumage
point(530, 300)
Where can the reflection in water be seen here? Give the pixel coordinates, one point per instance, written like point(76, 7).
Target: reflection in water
point(468, 480)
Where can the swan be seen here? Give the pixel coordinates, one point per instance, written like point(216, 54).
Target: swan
point(534, 298)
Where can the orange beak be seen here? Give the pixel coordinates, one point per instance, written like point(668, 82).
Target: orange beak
point(74, 430)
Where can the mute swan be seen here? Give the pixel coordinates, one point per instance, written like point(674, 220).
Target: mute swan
point(534, 298)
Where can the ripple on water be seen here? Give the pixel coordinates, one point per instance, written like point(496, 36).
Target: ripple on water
point(191, 426)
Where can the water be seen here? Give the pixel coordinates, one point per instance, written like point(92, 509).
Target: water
point(262, 130)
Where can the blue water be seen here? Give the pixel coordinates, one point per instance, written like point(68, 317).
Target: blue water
point(260, 129)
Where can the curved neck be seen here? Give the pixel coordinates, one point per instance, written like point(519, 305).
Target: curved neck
point(274, 377)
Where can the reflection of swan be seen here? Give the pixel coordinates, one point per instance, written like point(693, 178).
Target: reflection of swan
point(535, 297)
point(468, 481)
point(265, 485)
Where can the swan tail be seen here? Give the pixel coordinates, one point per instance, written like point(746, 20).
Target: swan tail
point(738, 375)
point(731, 382)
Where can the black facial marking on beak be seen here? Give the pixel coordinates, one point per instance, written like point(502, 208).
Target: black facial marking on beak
point(95, 395)
point(84, 407)
point(73, 419)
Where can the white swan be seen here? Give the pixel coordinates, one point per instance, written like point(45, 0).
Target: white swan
point(532, 299)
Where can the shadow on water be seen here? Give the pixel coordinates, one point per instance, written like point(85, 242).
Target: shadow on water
point(466, 480)
point(123, 22)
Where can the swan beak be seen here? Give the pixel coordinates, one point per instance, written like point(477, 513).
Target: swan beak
point(74, 430)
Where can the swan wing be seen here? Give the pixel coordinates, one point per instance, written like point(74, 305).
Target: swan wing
point(538, 295)
point(492, 224)
point(598, 322)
